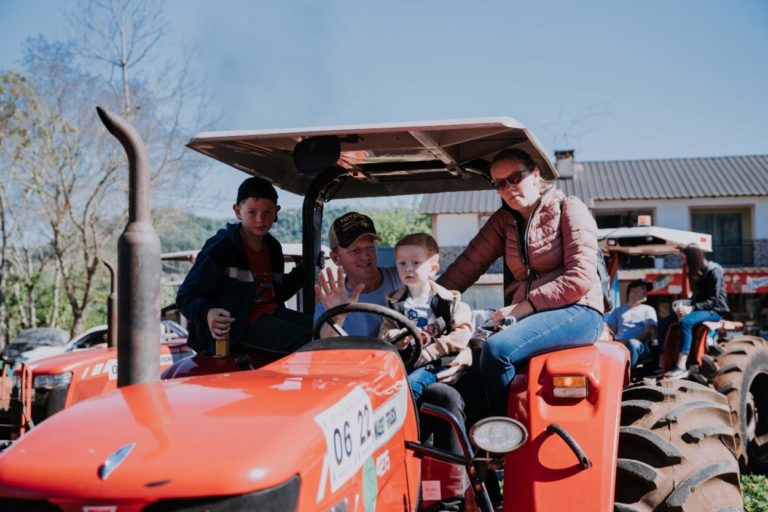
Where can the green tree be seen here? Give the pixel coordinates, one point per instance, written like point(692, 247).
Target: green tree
point(70, 173)
point(392, 224)
point(25, 259)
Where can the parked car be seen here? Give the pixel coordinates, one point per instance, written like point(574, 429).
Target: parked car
point(42, 339)
point(44, 387)
point(34, 346)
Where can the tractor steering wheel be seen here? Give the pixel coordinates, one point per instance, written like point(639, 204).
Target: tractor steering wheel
point(409, 355)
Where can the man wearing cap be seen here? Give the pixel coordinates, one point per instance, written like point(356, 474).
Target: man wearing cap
point(352, 238)
point(237, 286)
point(634, 323)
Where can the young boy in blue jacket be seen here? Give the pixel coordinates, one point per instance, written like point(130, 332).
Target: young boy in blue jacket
point(237, 285)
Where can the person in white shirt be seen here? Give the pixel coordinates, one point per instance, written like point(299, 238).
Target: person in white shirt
point(634, 323)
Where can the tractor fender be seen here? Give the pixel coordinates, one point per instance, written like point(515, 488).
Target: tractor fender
point(546, 473)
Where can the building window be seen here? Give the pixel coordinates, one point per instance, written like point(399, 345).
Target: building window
point(727, 227)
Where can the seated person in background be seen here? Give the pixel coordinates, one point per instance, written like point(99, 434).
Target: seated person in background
point(444, 321)
point(352, 238)
point(709, 301)
point(237, 285)
point(634, 323)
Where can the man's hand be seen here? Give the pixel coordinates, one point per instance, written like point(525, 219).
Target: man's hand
point(331, 290)
point(219, 322)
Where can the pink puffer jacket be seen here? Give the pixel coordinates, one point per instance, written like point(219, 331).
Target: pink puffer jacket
point(562, 251)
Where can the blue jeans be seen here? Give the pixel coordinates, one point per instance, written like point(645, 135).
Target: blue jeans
point(418, 380)
point(571, 326)
point(637, 351)
point(690, 321)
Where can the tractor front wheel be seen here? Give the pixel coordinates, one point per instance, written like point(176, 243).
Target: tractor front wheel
point(676, 450)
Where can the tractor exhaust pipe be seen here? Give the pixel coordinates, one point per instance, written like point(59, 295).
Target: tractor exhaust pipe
point(111, 301)
point(138, 266)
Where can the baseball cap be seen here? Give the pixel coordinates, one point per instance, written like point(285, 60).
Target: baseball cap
point(347, 229)
point(640, 282)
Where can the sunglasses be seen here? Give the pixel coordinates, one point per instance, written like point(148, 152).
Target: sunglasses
point(512, 179)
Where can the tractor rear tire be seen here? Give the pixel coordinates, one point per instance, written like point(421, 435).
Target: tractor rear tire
point(742, 376)
point(676, 450)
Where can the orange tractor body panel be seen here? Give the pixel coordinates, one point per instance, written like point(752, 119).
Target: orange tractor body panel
point(94, 372)
point(284, 415)
point(544, 474)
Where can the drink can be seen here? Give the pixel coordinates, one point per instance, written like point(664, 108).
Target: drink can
point(222, 346)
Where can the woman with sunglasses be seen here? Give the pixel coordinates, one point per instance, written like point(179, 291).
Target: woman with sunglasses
point(549, 243)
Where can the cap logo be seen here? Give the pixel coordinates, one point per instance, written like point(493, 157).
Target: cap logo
point(349, 228)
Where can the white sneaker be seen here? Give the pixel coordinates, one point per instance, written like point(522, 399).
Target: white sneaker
point(676, 374)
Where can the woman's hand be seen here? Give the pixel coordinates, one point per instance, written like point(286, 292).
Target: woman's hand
point(219, 322)
point(500, 314)
point(518, 311)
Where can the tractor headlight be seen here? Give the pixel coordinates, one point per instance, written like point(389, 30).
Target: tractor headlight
point(498, 434)
point(59, 380)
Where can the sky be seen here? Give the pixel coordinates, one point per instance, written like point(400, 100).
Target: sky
point(616, 80)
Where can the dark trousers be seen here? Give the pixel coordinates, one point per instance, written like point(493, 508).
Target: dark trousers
point(283, 332)
point(466, 400)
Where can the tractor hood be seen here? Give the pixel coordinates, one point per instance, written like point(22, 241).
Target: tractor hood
point(223, 434)
point(105, 356)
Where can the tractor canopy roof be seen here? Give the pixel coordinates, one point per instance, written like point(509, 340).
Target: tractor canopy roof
point(381, 159)
point(650, 240)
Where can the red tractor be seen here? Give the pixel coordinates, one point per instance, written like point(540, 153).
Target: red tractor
point(735, 366)
point(33, 390)
point(332, 427)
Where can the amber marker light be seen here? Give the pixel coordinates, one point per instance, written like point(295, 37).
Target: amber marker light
point(569, 386)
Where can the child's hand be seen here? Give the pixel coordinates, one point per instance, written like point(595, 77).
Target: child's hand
point(402, 344)
point(422, 360)
point(448, 374)
point(219, 322)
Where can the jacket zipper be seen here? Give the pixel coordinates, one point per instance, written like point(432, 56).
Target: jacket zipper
point(525, 253)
